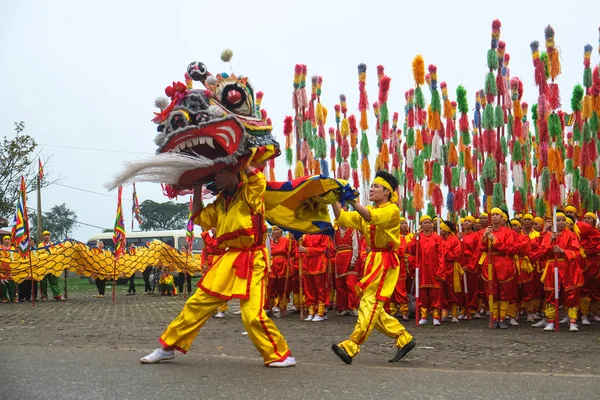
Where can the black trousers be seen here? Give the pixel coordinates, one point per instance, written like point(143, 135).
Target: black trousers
point(181, 282)
point(101, 285)
point(146, 275)
point(25, 290)
point(131, 284)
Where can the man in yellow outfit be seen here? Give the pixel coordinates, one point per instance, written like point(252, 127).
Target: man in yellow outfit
point(380, 225)
point(240, 272)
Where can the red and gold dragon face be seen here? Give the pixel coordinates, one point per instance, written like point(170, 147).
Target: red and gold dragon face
point(203, 130)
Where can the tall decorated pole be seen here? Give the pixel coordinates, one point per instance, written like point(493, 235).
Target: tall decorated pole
point(435, 150)
point(363, 105)
point(189, 236)
point(347, 139)
point(118, 239)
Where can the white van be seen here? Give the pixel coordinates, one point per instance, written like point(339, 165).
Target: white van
point(174, 239)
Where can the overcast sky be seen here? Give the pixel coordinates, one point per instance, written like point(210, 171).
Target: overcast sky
point(85, 74)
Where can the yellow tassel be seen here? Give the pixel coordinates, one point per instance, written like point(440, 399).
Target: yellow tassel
point(299, 171)
point(319, 114)
point(418, 197)
point(552, 161)
point(325, 113)
point(590, 174)
point(554, 64)
point(418, 67)
point(364, 123)
point(430, 188)
point(597, 104)
point(452, 155)
point(430, 117)
point(468, 161)
point(316, 167)
point(588, 105)
point(378, 162)
point(517, 110)
point(419, 140)
point(353, 140)
point(366, 170)
point(385, 154)
point(345, 129)
point(447, 109)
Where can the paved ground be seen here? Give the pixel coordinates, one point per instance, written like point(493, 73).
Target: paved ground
point(88, 348)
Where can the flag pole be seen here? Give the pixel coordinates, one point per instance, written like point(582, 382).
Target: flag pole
point(185, 274)
point(31, 274)
point(39, 225)
point(114, 279)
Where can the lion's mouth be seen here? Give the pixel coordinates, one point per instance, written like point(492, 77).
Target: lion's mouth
point(215, 139)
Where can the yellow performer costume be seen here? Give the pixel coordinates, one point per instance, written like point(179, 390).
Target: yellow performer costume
point(241, 272)
point(382, 235)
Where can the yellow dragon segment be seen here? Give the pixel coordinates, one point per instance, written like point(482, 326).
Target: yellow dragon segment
point(84, 260)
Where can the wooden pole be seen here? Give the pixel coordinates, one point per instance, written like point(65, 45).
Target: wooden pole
point(301, 283)
point(114, 280)
point(31, 274)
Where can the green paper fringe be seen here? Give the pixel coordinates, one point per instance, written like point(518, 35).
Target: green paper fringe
point(577, 96)
point(419, 168)
point(289, 157)
point(364, 144)
point(354, 159)
point(410, 137)
point(554, 126)
point(498, 196)
point(504, 146)
point(455, 177)
point(569, 166)
point(437, 173)
point(436, 102)
point(517, 154)
point(492, 59)
point(430, 210)
point(419, 98)
point(594, 122)
point(466, 138)
point(471, 202)
point(461, 100)
point(490, 84)
point(544, 58)
point(587, 77)
point(534, 114)
point(545, 180)
point(477, 188)
point(489, 170)
point(498, 117)
point(488, 117)
point(576, 133)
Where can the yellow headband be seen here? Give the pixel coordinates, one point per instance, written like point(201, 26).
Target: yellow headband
point(402, 219)
point(424, 218)
point(45, 233)
point(380, 181)
point(498, 211)
point(591, 215)
point(539, 220)
point(470, 218)
point(477, 220)
point(516, 222)
point(559, 214)
point(571, 209)
point(483, 215)
point(445, 227)
point(6, 236)
point(528, 216)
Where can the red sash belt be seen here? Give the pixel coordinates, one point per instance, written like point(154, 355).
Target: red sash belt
point(390, 257)
point(245, 260)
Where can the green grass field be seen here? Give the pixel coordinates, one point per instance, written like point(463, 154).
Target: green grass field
point(85, 286)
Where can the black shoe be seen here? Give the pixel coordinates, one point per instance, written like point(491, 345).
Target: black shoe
point(404, 351)
point(496, 324)
point(502, 325)
point(341, 353)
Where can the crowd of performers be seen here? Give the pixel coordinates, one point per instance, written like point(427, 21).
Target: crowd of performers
point(454, 280)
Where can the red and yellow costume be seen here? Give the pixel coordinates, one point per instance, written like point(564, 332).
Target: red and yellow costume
point(240, 272)
point(589, 240)
point(314, 268)
point(454, 272)
point(432, 271)
point(399, 299)
point(166, 285)
point(281, 252)
point(382, 235)
point(525, 272)
point(570, 277)
point(346, 249)
point(468, 260)
point(503, 283)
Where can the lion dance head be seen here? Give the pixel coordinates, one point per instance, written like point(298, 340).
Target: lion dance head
point(202, 130)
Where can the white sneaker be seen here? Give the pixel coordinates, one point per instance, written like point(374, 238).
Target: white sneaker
point(343, 313)
point(444, 319)
point(477, 316)
point(596, 318)
point(513, 322)
point(530, 317)
point(573, 327)
point(354, 313)
point(537, 316)
point(219, 315)
point(540, 324)
point(294, 309)
point(318, 318)
point(309, 317)
point(565, 320)
point(462, 316)
point(423, 321)
point(454, 320)
point(436, 322)
point(585, 320)
point(238, 312)
point(288, 362)
point(157, 355)
point(276, 312)
point(549, 327)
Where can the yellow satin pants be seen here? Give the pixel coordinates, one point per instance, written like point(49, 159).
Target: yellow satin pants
point(372, 315)
point(200, 308)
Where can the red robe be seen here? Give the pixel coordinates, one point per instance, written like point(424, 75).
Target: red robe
point(430, 259)
point(589, 240)
point(470, 244)
point(523, 250)
point(280, 257)
point(504, 248)
point(569, 272)
point(452, 254)
point(345, 254)
point(314, 261)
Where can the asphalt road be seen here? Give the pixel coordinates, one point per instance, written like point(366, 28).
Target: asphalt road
point(84, 373)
